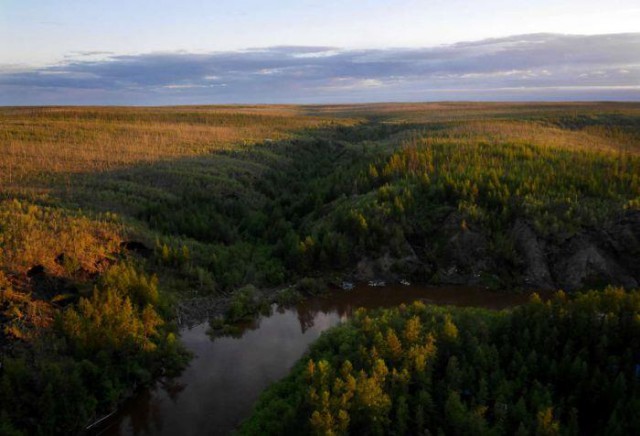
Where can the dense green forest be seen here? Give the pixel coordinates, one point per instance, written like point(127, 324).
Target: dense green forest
point(569, 366)
point(111, 217)
point(59, 368)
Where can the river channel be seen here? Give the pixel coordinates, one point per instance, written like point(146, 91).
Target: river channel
point(227, 374)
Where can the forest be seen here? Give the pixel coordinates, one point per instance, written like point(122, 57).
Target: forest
point(112, 220)
point(569, 366)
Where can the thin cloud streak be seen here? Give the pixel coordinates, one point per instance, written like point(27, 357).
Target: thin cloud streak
point(523, 67)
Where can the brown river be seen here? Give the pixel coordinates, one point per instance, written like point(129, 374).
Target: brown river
point(224, 379)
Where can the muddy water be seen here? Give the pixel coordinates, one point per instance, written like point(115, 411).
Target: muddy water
point(226, 376)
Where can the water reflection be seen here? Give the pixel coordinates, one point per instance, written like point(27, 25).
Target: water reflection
point(223, 381)
point(227, 374)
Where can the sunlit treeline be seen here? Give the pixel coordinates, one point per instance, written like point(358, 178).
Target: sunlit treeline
point(553, 187)
point(567, 366)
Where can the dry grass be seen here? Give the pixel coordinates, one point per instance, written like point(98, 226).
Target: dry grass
point(591, 127)
point(37, 143)
point(590, 139)
point(449, 111)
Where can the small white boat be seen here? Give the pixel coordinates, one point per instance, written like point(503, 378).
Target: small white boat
point(405, 282)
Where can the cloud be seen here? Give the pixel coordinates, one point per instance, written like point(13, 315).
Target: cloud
point(522, 67)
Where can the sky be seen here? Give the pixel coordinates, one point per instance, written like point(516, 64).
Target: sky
point(143, 52)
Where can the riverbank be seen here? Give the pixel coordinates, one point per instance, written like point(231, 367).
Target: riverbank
point(227, 374)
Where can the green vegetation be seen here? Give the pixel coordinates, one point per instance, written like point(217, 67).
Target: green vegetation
point(567, 366)
point(557, 189)
point(311, 190)
point(108, 216)
point(88, 358)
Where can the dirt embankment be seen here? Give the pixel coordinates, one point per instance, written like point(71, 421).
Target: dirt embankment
point(593, 257)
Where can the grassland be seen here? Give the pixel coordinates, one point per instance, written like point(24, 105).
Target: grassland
point(39, 143)
point(204, 201)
